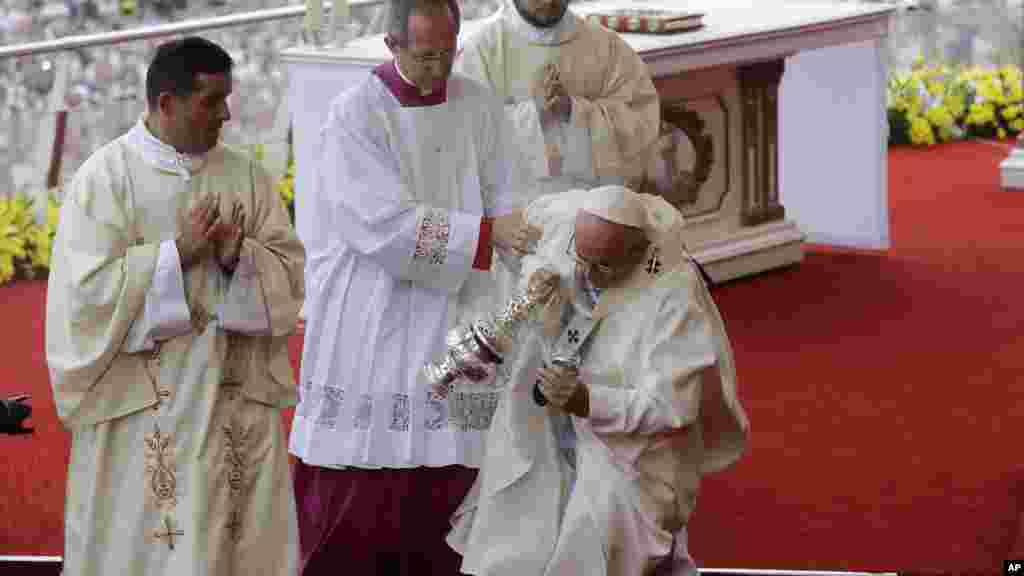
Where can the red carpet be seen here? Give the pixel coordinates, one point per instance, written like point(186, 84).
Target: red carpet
point(881, 388)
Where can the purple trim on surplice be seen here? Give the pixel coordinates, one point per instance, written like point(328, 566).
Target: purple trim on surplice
point(408, 95)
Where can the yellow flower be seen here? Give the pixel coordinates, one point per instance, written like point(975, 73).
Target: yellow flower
point(24, 244)
point(1017, 125)
point(988, 90)
point(1001, 134)
point(1010, 75)
point(921, 132)
point(913, 106)
point(41, 236)
point(981, 114)
point(1016, 92)
point(39, 241)
point(286, 187)
point(940, 118)
point(13, 218)
point(52, 214)
point(955, 104)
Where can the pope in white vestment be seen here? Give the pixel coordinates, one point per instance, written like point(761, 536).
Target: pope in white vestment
point(614, 114)
point(606, 493)
point(172, 383)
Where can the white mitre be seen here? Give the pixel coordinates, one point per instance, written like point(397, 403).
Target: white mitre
point(661, 221)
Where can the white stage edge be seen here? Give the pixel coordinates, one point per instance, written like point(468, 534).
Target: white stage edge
point(709, 571)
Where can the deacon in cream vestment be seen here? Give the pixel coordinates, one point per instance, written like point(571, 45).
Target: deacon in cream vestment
point(172, 383)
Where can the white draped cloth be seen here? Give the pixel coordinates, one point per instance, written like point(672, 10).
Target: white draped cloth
point(399, 194)
point(664, 412)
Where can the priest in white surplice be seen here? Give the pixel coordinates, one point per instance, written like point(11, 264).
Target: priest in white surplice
point(414, 185)
point(176, 281)
point(582, 101)
point(595, 471)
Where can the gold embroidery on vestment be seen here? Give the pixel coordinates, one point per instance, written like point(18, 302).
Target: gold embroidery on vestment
point(168, 532)
point(160, 467)
point(235, 442)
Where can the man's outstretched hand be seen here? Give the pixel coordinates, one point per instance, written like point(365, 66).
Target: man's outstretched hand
point(511, 232)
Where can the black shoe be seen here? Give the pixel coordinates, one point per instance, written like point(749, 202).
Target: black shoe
point(13, 413)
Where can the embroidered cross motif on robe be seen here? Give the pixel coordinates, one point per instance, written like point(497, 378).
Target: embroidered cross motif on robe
point(235, 439)
point(162, 395)
point(160, 467)
point(235, 526)
point(168, 532)
point(653, 265)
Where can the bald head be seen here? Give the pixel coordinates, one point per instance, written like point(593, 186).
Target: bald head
point(406, 14)
point(423, 35)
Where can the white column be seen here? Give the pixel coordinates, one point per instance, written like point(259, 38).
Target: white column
point(1011, 170)
point(833, 145)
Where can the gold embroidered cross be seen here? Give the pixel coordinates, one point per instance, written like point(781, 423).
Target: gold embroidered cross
point(160, 467)
point(168, 533)
point(653, 265)
point(162, 394)
point(234, 526)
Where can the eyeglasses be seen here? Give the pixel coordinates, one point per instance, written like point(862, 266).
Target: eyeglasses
point(570, 251)
point(427, 57)
point(437, 56)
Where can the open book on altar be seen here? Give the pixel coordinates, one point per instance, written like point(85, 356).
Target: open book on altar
point(642, 17)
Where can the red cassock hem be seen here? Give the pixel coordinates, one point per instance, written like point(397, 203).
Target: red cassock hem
point(389, 521)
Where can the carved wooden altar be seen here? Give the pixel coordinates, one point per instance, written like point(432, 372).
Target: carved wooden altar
point(718, 156)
